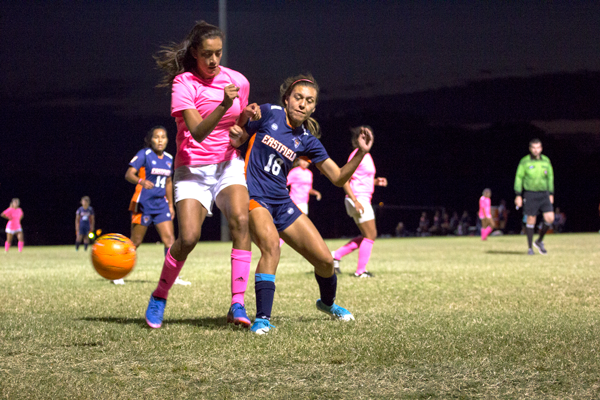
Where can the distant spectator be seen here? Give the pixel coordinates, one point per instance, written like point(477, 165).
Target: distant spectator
point(400, 231)
point(464, 224)
point(454, 222)
point(559, 220)
point(423, 229)
point(502, 215)
point(436, 227)
point(446, 224)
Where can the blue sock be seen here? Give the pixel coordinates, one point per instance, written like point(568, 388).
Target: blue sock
point(85, 245)
point(264, 287)
point(328, 287)
point(166, 251)
point(77, 245)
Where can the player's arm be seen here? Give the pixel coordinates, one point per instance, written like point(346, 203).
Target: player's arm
point(77, 218)
point(92, 222)
point(131, 176)
point(169, 194)
point(237, 136)
point(200, 127)
point(551, 181)
point(251, 112)
point(383, 182)
point(357, 205)
point(315, 193)
point(338, 176)
point(4, 216)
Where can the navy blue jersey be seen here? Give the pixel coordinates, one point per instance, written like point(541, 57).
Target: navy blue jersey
point(272, 148)
point(84, 214)
point(155, 169)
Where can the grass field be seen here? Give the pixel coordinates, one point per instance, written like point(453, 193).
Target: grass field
point(443, 318)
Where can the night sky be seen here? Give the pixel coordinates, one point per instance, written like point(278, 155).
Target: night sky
point(78, 79)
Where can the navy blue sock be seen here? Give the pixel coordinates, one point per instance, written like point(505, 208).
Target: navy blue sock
point(77, 245)
point(327, 287)
point(85, 245)
point(166, 251)
point(265, 291)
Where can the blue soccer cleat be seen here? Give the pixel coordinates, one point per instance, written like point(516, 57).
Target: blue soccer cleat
point(261, 326)
point(155, 312)
point(335, 311)
point(237, 315)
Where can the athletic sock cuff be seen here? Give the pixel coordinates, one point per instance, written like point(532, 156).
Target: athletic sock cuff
point(264, 277)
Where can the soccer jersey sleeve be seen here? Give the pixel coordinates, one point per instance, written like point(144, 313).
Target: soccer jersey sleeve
point(316, 152)
point(138, 160)
point(182, 95)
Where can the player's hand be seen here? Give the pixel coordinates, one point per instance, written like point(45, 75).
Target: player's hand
point(235, 133)
point(318, 196)
point(381, 182)
point(358, 207)
point(229, 94)
point(172, 211)
point(146, 184)
point(365, 140)
point(551, 199)
point(518, 202)
point(252, 111)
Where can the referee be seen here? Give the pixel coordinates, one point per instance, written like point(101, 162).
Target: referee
point(534, 189)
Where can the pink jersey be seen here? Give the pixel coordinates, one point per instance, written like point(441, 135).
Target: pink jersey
point(485, 207)
point(300, 182)
point(191, 92)
point(362, 181)
point(14, 218)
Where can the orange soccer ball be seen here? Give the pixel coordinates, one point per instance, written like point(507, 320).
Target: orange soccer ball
point(113, 256)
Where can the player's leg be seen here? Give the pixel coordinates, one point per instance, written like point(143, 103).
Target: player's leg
point(166, 231)
point(9, 238)
point(266, 237)
point(233, 202)
point(548, 213)
point(138, 231)
point(20, 241)
point(84, 230)
point(530, 230)
point(78, 240)
point(303, 237)
point(353, 244)
point(369, 233)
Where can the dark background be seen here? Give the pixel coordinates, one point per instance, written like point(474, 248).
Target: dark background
point(454, 92)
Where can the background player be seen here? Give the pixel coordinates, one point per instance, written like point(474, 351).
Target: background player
point(284, 133)
point(84, 223)
point(206, 100)
point(485, 213)
point(534, 189)
point(14, 215)
point(152, 203)
point(359, 192)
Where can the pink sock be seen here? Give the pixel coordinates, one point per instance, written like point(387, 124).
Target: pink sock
point(6, 246)
point(281, 242)
point(240, 271)
point(348, 248)
point(170, 272)
point(486, 232)
point(364, 253)
point(20, 244)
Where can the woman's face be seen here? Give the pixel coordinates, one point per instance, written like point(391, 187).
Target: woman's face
point(303, 163)
point(300, 104)
point(159, 140)
point(208, 57)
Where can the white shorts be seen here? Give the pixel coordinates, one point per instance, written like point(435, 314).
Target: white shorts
point(205, 182)
point(303, 207)
point(13, 232)
point(368, 213)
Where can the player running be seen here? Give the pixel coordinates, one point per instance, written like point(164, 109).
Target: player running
point(485, 213)
point(150, 171)
point(206, 100)
point(85, 220)
point(534, 189)
point(283, 134)
point(14, 215)
point(359, 192)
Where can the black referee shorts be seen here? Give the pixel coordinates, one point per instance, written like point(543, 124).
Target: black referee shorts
point(534, 202)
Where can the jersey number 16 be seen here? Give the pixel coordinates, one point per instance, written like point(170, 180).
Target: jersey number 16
point(274, 166)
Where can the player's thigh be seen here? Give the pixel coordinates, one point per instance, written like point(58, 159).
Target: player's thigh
point(233, 201)
point(138, 231)
point(9, 237)
point(20, 236)
point(190, 216)
point(166, 231)
point(303, 236)
point(266, 237)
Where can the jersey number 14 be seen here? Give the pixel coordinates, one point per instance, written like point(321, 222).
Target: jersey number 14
point(161, 181)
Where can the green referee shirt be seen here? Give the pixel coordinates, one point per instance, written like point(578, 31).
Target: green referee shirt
point(534, 175)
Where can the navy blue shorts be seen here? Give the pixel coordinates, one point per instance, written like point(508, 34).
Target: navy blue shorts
point(146, 219)
point(283, 214)
point(84, 228)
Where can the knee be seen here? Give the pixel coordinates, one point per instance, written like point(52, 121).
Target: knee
point(169, 240)
point(188, 241)
point(271, 250)
point(238, 223)
point(324, 267)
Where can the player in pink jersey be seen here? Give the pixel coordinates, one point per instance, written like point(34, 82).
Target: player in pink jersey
point(206, 100)
point(359, 191)
point(485, 213)
point(14, 215)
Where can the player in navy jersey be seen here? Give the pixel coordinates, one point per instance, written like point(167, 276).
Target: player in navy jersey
point(152, 203)
point(84, 223)
point(283, 134)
